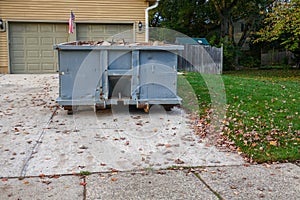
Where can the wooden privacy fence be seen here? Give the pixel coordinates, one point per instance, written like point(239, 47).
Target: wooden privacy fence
point(277, 57)
point(202, 59)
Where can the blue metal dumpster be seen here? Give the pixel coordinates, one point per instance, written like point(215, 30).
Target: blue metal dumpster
point(102, 75)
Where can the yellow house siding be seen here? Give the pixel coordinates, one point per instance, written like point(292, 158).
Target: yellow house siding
point(100, 11)
point(85, 10)
point(3, 53)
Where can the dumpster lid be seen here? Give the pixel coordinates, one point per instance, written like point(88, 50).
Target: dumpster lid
point(91, 45)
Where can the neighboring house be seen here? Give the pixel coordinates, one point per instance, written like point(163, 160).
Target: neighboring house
point(33, 26)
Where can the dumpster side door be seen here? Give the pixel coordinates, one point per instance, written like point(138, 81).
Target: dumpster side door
point(80, 75)
point(158, 75)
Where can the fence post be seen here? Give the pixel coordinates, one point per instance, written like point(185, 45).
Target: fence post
point(221, 64)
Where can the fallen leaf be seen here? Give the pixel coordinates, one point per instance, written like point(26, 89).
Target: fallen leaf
point(253, 144)
point(114, 179)
point(55, 176)
point(46, 182)
point(83, 183)
point(114, 170)
point(25, 182)
point(261, 148)
point(273, 143)
point(83, 147)
point(139, 124)
point(233, 187)
point(178, 161)
point(261, 195)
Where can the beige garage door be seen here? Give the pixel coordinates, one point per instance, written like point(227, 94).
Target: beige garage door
point(31, 46)
point(90, 32)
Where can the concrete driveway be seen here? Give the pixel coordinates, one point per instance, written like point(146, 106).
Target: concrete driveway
point(38, 138)
point(120, 153)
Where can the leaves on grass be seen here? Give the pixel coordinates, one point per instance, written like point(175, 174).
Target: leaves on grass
point(262, 114)
point(273, 143)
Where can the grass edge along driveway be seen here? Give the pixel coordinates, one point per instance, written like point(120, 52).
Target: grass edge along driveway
point(263, 111)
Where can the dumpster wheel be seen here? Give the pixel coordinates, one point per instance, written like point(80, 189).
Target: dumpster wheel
point(168, 107)
point(147, 108)
point(69, 109)
point(144, 106)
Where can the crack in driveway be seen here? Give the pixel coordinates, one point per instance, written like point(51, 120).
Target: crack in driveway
point(36, 145)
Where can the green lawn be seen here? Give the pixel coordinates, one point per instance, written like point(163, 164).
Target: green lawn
point(263, 110)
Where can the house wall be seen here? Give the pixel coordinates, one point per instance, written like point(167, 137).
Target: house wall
point(96, 11)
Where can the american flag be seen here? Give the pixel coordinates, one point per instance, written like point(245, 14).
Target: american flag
point(71, 22)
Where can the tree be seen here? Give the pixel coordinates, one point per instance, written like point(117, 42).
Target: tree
point(185, 16)
point(213, 19)
point(282, 24)
point(224, 9)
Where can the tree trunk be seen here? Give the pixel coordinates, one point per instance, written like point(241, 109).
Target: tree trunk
point(231, 31)
point(225, 20)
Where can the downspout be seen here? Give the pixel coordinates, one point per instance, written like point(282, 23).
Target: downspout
point(147, 19)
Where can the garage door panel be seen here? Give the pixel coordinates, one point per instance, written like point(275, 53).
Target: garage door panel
point(45, 28)
point(33, 54)
point(20, 62)
point(34, 66)
point(19, 67)
point(18, 54)
point(32, 41)
point(60, 28)
point(97, 29)
point(47, 54)
point(47, 66)
point(36, 41)
point(59, 40)
point(17, 29)
point(112, 30)
point(17, 40)
point(31, 28)
point(47, 41)
point(103, 31)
